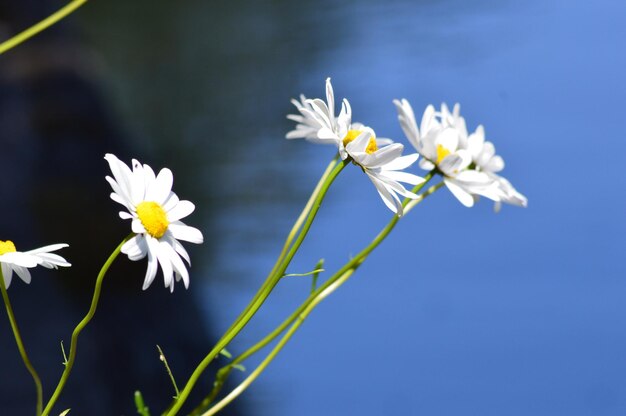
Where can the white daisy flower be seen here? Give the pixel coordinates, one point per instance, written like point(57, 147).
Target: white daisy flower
point(317, 121)
point(19, 262)
point(155, 212)
point(440, 142)
point(383, 166)
point(318, 124)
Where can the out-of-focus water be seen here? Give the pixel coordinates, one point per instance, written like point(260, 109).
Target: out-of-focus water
point(460, 311)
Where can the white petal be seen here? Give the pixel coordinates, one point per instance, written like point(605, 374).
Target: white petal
point(449, 139)
point(402, 162)
point(178, 247)
point(330, 97)
point(23, 273)
point(47, 249)
point(463, 196)
point(404, 177)
point(151, 271)
point(51, 260)
point(166, 264)
point(20, 259)
point(451, 164)
point(184, 232)
point(122, 174)
point(426, 164)
point(383, 156)
point(177, 263)
point(389, 198)
point(171, 201)
point(359, 144)
point(164, 182)
point(181, 210)
point(495, 164)
point(125, 215)
point(148, 182)
point(137, 184)
point(136, 248)
point(7, 273)
point(137, 226)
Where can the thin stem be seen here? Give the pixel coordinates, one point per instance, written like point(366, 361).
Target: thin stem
point(20, 345)
point(81, 325)
point(264, 292)
point(169, 371)
point(351, 266)
point(44, 24)
point(270, 357)
point(305, 211)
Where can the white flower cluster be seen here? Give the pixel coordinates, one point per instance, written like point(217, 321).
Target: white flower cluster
point(467, 162)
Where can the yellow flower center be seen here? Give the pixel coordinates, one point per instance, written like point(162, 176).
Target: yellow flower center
point(372, 146)
point(442, 152)
point(7, 247)
point(153, 218)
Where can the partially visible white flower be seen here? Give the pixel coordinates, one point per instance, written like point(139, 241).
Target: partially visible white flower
point(155, 212)
point(439, 142)
point(384, 167)
point(19, 262)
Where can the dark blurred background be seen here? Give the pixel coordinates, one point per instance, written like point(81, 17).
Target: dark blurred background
point(461, 311)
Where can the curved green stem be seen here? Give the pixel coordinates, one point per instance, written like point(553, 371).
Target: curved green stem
point(44, 24)
point(264, 292)
point(81, 325)
point(20, 344)
point(349, 267)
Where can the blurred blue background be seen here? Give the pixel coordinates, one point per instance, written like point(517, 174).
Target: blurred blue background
point(461, 311)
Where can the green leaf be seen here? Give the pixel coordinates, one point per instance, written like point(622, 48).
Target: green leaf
point(64, 361)
point(318, 266)
point(239, 367)
point(65, 412)
point(226, 354)
point(312, 272)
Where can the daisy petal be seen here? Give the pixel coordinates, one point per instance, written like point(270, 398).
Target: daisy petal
point(183, 232)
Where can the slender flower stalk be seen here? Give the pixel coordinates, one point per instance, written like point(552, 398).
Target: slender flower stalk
point(20, 345)
point(263, 293)
point(283, 341)
point(296, 227)
point(44, 24)
point(299, 315)
point(81, 325)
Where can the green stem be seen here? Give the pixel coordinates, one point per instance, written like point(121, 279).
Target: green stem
point(305, 211)
point(351, 266)
point(263, 293)
point(20, 344)
point(44, 24)
point(283, 341)
point(81, 325)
